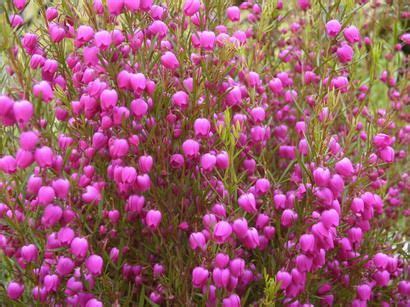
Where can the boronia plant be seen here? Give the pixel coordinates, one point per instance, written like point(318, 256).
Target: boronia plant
point(204, 153)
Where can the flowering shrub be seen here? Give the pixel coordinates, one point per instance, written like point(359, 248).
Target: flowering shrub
point(192, 153)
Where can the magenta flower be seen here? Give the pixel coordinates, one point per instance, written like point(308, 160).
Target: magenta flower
point(153, 219)
point(231, 301)
point(79, 247)
point(330, 218)
point(284, 278)
point(51, 215)
point(180, 99)
point(321, 176)
point(139, 108)
point(94, 264)
point(190, 148)
point(199, 277)
point(333, 28)
point(351, 34)
point(307, 243)
point(191, 7)
point(208, 162)
point(29, 252)
point(344, 167)
point(247, 202)
point(19, 4)
point(197, 240)
point(15, 290)
point(23, 111)
point(222, 232)
point(202, 127)
point(364, 292)
point(345, 53)
point(51, 282)
point(288, 217)
point(132, 5)
point(92, 195)
point(221, 277)
point(109, 99)
point(240, 227)
point(64, 266)
point(44, 91)
point(94, 303)
point(169, 60)
point(233, 13)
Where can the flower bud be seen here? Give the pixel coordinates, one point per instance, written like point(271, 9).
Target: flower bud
point(262, 186)
point(237, 267)
point(240, 227)
point(380, 260)
point(135, 203)
point(103, 39)
point(61, 187)
point(251, 239)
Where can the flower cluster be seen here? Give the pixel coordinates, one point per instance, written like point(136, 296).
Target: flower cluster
point(203, 153)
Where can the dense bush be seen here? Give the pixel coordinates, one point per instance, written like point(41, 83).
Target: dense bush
point(192, 153)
